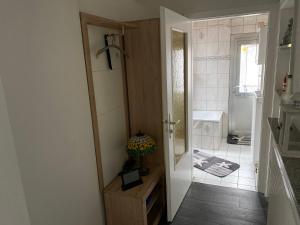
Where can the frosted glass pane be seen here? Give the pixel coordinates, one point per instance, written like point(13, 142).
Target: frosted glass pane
point(250, 72)
point(178, 94)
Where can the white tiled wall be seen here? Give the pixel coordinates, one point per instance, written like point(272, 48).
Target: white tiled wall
point(211, 63)
point(207, 135)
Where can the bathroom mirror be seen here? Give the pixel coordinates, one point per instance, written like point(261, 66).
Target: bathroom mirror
point(179, 98)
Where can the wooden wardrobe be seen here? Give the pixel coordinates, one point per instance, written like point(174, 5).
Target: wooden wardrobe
point(142, 205)
point(144, 83)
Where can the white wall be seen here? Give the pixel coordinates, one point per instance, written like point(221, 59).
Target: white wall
point(297, 50)
point(109, 94)
point(120, 9)
point(13, 209)
point(196, 6)
point(43, 74)
point(269, 85)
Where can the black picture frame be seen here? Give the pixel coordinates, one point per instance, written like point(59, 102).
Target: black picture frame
point(125, 184)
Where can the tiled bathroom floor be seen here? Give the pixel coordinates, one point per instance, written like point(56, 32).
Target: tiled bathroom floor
point(243, 178)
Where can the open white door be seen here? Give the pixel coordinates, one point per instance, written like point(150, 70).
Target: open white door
point(177, 113)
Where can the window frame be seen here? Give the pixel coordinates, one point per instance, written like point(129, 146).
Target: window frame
point(237, 41)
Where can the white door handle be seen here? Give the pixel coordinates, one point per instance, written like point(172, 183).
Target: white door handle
point(174, 122)
point(170, 123)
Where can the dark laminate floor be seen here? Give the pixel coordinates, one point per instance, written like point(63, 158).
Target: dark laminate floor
point(214, 205)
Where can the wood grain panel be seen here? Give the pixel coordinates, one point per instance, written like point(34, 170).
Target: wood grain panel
point(144, 83)
point(130, 207)
point(90, 83)
point(104, 22)
point(142, 191)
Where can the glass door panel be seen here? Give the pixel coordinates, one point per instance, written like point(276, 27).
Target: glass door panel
point(179, 94)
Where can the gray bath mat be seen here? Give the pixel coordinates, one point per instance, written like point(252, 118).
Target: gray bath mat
point(213, 165)
point(238, 140)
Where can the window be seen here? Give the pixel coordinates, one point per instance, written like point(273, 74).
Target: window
point(248, 72)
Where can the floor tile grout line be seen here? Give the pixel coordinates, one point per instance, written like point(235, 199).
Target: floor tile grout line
point(231, 153)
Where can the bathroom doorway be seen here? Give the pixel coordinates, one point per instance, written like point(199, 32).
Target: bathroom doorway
point(245, 81)
point(228, 70)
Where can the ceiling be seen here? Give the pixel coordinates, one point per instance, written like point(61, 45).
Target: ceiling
point(140, 9)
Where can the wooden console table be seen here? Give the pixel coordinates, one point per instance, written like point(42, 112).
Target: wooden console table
point(141, 205)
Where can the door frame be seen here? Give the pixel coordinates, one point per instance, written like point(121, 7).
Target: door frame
point(236, 39)
point(268, 87)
